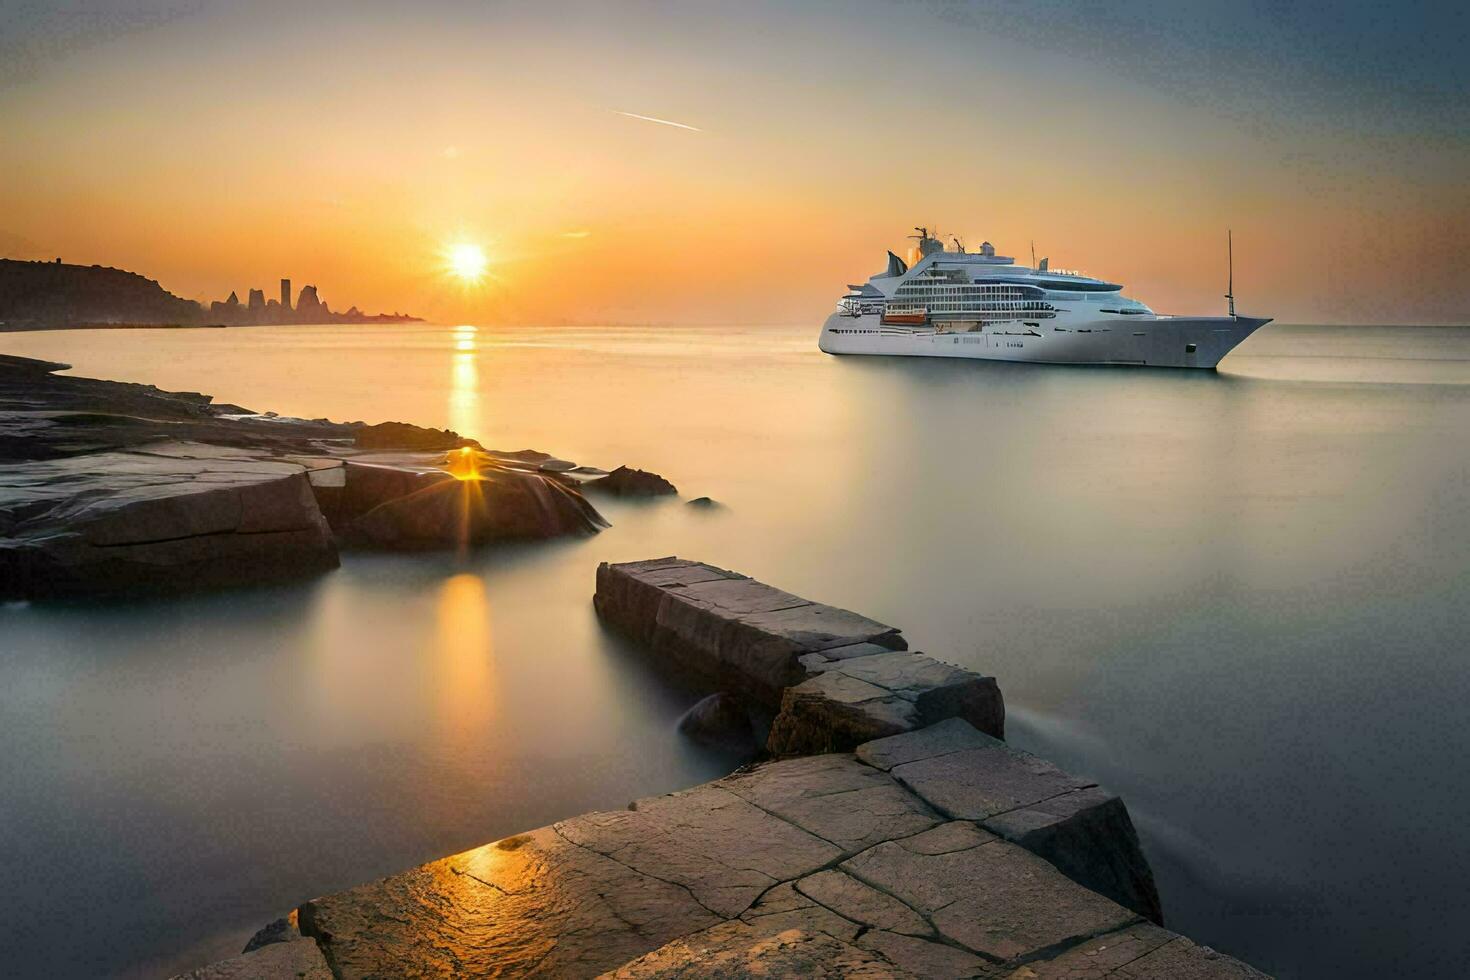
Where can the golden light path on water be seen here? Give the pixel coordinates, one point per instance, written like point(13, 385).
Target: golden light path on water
point(464, 382)
point(465, 687)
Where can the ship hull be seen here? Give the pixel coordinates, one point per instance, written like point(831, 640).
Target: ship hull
point(1181, 342)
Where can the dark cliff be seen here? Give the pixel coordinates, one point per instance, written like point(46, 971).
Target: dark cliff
point(44, 294)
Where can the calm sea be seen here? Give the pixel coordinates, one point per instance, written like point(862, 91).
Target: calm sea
point(1242, 600)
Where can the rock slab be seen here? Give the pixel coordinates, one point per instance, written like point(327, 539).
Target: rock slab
point(833, 678)
point(821, 865)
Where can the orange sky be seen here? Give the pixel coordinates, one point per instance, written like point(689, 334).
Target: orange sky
point(346, 145)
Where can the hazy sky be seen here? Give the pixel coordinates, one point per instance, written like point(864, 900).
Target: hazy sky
point(219, 146)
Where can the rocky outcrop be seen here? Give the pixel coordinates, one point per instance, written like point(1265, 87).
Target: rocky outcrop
point(45, 295)
point(401, 435)
point(176, 516)
point(627, 482)
point(442, 510)
point(822, 865)
point(42, 294)
point(833, 678)
point(935, 727)
point(108, 487)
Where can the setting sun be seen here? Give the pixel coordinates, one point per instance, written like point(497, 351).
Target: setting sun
point(467, 261)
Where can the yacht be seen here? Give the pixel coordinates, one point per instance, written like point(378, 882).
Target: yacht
point(956, 303)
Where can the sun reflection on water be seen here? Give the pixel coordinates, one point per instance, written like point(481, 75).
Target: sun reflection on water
point(464, 657)
point(464, 382)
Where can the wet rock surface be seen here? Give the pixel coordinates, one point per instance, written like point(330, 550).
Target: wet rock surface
point(628, 482)
point(108, 487)
point(824, 865)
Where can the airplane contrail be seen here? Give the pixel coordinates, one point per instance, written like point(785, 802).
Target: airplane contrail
point(655, 119)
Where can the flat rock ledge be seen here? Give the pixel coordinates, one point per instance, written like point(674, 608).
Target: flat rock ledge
point(108, 487)
point(869, 863)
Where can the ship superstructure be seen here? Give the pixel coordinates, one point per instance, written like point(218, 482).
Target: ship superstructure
point(958, 303)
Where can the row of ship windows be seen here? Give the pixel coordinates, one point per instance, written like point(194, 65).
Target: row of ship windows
point(1020, 306)
point(968, 290)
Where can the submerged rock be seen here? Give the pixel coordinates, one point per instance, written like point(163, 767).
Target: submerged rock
point(720, 720)
point(705, 503)
point(627, 482)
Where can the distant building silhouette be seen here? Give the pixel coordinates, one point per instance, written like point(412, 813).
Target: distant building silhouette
point(285, 294)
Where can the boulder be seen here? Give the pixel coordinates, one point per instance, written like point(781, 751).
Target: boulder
point(720, 720)
point(495, 505)
point(627, 482)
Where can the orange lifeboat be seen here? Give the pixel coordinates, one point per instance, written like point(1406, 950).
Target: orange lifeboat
point(906, 319)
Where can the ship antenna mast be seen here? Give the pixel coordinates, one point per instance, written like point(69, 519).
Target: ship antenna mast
point(1033, 253)
point(1230, 273)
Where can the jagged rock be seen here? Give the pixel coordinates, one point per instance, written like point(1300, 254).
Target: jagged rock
point(627, 482)
point(298, 959)
point(401, 435)
point(1084, 831)
point(719, 720)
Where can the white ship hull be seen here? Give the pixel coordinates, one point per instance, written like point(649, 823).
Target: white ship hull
point(1153, 341)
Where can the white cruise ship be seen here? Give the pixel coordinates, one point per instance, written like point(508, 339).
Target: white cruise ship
point(979, 304)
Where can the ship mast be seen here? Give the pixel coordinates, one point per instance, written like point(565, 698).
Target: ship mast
point(1230, 273)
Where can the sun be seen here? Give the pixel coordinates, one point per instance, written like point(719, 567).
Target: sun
point(466, 261)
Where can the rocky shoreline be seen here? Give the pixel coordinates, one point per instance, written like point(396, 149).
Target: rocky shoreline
point(930, 850)
point(107, 487)
point(886, 828)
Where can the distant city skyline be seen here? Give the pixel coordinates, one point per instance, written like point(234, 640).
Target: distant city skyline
point(700, 162)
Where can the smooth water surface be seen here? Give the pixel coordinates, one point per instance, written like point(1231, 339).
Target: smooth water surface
point(1239, 599)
